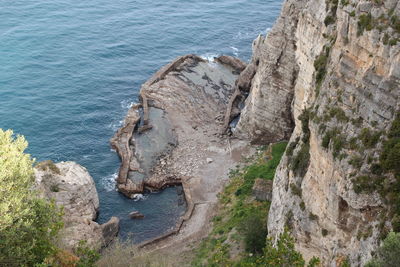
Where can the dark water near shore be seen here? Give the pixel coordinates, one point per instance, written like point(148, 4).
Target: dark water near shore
point(69, 70)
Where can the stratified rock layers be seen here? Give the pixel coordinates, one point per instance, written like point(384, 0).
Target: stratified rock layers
point(319, 61)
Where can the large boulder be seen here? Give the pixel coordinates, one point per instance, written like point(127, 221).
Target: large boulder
point(262, 189)
point(72, 187)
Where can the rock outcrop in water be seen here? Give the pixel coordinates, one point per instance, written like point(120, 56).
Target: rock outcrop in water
point(181, 112)
point(174, 137)
point(327, 76)
point(72, 188)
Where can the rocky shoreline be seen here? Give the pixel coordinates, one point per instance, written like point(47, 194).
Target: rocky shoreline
point(185, 90)
point(177, 135)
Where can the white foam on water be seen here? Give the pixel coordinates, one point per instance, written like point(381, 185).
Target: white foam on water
point(235, 51)
point(115, 125)
point(126, 104)
point(210, 57)
point(109, 182)
point(267, 30)
point(138, 197)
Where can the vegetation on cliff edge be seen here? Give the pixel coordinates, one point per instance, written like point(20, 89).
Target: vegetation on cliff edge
point(28, 224)
point(239, 235)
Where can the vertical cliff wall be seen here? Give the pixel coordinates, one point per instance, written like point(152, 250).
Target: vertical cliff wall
point(328, 77)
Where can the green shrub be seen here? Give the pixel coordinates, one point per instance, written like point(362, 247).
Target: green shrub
point(344, 2)
point(388, 254)
point(390, 155)
point(265, 170)
point(337, 139)
point(48, 165)
point(313, 217)
point(338, 143)
point(393, 42)
point(299, 164)
point(366, 184)
point(368, 138)
point(339, 114)
point(291, 147)
point(28, 224)
point(376, 169)
point(87, 256)
point(356, 161)
point(295, 190)
point(320, 64)
point(324, 232)
point(385, 39)
point(305, 120)
point(254, 232)
point(283, 254)
point(329, 20)
point(365, 22)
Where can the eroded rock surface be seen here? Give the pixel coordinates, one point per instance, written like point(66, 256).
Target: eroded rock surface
point(320, 61)
point(72, 188)
point(177, 138)
point(181, 113)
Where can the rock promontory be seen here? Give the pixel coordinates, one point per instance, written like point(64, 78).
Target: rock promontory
point(174, 136)
point(72, 188)
point(176, 127)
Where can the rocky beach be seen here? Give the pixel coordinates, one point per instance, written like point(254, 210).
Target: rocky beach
point(176, 136)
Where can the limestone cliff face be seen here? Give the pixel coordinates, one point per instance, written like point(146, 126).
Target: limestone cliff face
point(328, 77)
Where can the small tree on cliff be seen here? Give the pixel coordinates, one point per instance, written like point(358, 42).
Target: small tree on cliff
point(28, 223)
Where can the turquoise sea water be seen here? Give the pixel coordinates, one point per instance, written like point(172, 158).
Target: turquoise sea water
point(70, 69)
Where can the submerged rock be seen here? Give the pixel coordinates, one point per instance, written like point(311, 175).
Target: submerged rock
point(72, 187)
point(136, 215)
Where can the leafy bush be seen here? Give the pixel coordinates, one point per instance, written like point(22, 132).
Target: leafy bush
point(299, 164)
point(338, 142)
point(87, 256)
point(329, 20)
point(28, 224)
point(254, 232)
point(388, 254)
point(48, 165)
point(296, 190)
point(390, 156)
point(339, 114)
point(368, 138)
point(291, 147)
point(283, 254)
point(305, 120)
point(366, 184)
point(356, 161)
point(365, 22)
point(324, 232)
point(263, 169)
point(239, 211)
point(320, 64)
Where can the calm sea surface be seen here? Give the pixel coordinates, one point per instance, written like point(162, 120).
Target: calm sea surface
point(69, 70)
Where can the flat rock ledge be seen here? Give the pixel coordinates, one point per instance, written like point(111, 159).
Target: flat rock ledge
point(174, 137)
point(72, 187)
point(186, 97)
